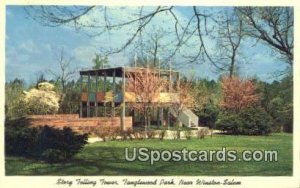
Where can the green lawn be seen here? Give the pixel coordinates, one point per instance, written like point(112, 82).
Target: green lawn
point(108, 158)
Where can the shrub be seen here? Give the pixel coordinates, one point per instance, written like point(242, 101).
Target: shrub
point(208, 115)
point(114, 133)
point(102, 132)
point(162, 134)
point(45, 143)
point(256, 121)
point(150, 134)
point(43, 100)
point(202, 132)
point(249, 121)
point(65, 140)
point(125, 134)
point(188, 134)
point(19, 139)
point(53, 155)
point(230, 123)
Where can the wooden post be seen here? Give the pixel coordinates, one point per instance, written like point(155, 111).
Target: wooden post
point(168, 118)
point(161, 117)
point(96, 101)
point(88, 97)
point(178, 81)
point(114, 93)
point(158, 67)
point(80, 110)
point(170, 77)
point(104, 93)
point(123, 102)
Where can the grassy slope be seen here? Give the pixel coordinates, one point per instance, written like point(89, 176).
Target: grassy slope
point(107, 158)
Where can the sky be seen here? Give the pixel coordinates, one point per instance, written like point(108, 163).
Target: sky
point(30, 48)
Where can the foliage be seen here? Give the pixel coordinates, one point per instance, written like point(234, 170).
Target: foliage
point(202, 132)
point(186, 98)
point(162, 134)
point(100, 62)
point(42, 100)
point(277, 100)
point(19, 139)
point(150, 134)
point(238, 93)
point(69, 102)
point(249, 121)
point(45, 143)
point(14, 106)
point(146, 85)
point(208, 115)
point(188, 134)
point(125, 134)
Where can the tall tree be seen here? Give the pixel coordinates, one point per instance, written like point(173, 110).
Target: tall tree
point(65, 72)
point(189, 32)
point(230, 35)
point(272, 25)
point(100, 62)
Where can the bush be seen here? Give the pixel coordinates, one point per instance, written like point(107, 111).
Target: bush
point(208, 115)
point(231, 123)
point(18, 138)
point(150, 134)
point(114, 133)
point(202, 132)
point(162, 134)
point(64, 140)
point(102, 132)
point(43, 100)
point(188, 134)
point(45, 143)
point(249, 121)
point(53, 155)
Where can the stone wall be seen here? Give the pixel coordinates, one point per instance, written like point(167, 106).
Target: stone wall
point(77, 124)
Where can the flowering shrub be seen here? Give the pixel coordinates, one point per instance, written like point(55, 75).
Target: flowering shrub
point(43, 100)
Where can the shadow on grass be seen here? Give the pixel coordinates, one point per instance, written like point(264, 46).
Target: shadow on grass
point(91, 161)
point(108, 158)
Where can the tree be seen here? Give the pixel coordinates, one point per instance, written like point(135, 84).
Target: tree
point(208, 115)
point(40, 78)
point(272, 25)
point(14, 107)
point(182, 98)
point(230, 35)
point(151, 46)
point(100, 62)
point(238, 94)
point(191, 36)
point(277, 100)
point(146, 85)
point(65, 73)
point(188, 32)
